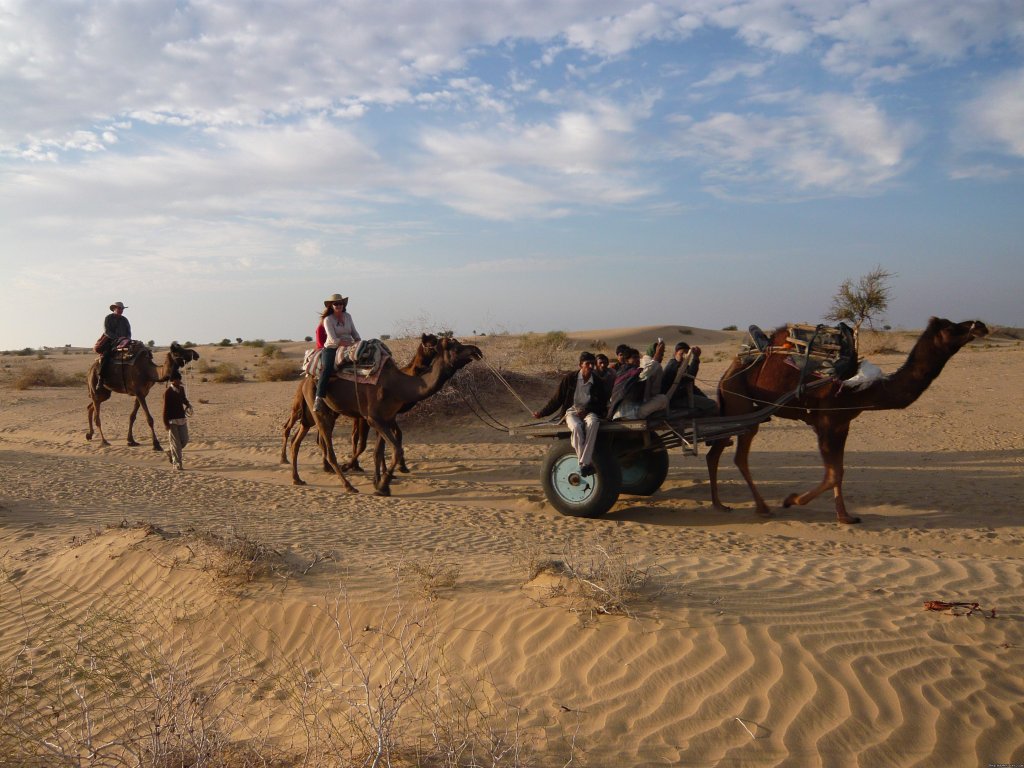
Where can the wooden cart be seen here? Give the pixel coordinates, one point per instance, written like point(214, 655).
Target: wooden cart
point(631, 456)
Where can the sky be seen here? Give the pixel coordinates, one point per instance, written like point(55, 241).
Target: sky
point(504, 166)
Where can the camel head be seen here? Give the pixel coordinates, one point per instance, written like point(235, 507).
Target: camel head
point(950, 337)
point(455, 355)
point(182, 356)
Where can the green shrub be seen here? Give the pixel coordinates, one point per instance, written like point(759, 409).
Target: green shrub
point(730, 328)
point(271, 351)
point(224, 343)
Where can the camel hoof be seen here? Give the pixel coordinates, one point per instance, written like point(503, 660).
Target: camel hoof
point(352, 466)
point(791, 500)
point(104, 443)
point(157, 447)
point(404, 469)
point(849, 520)
point(296, 481)
point(133, 444)
point(382, 492)
point(721, 507)
point(351, 489)
point(765, 513)
point(89, 436)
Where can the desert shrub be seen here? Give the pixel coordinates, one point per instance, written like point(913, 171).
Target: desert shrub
point(545, 349)
point(729, 328)
point(45, 375)
point(227, 373)
point(271, 351)
point(253, 343)
point(280, 370)
point(592, 579)
point(225, 342)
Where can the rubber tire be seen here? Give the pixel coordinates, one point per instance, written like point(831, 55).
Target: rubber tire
point(579, 496)
point(644, 472)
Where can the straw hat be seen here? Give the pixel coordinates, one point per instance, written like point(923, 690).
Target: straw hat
point(335, 297)
point(117, 305)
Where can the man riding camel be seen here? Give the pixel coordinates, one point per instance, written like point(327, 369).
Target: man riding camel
point(115, 328)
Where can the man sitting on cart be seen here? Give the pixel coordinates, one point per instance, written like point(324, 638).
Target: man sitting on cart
point(583, 397)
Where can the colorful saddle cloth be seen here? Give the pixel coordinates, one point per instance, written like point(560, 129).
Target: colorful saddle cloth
point(362, 362)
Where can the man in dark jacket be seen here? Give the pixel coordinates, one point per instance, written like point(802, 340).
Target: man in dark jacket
point(176, 410)
point(687, 359)
point(583, 397)
point(115, 328)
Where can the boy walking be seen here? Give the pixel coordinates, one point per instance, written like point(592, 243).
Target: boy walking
point(176, 409)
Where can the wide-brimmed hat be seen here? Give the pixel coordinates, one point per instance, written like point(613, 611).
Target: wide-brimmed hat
point(117, 305)
point(335, 297)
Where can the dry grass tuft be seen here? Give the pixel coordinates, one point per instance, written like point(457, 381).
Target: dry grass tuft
point(279, 370)
point(593, 580)
point(45, 375)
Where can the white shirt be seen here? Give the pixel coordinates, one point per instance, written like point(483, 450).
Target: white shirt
point(340, 333)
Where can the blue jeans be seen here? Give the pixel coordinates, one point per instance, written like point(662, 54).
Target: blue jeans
point(327, 355)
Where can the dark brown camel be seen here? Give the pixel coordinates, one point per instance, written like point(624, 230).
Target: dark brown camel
point(135, 378)
point(379, 404)
point(425, 352)
point(829, 408)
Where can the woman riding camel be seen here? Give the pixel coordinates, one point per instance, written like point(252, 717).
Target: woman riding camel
point(341, 333)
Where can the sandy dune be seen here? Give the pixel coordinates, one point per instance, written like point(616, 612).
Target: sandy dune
point(788, 642)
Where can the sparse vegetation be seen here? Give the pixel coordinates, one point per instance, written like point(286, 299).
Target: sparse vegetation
point(225, 342)
point(280, 370)
point(228, 373)
point(45, 375)
point(545, 349)
point(592, 579)
point(730, 328)
point(860, 302)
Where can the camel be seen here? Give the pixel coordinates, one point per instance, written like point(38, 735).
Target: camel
point(419, 364)
point(134, 378)
point(379, 404)
point(828, 408)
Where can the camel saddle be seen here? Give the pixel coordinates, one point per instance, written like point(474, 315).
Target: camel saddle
point(126, 351)
point(361, 363)
point(816, 350)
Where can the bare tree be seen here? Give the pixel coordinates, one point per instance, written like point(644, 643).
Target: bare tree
point(860, 302)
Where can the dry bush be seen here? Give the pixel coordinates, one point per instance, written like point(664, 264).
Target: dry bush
point(131, 681)
point(548, 349)
point(228, 373)
point(430, 577)
point(45, 375)
point(279, 370)
point(236, 554)
point(594, 580)
point(117, 684)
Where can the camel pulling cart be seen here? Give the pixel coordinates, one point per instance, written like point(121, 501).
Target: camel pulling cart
point(631, 455)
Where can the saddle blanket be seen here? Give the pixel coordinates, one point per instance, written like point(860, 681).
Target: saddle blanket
point(361, 363)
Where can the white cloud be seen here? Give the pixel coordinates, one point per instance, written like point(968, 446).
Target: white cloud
point(828, 144)
point(996, 116)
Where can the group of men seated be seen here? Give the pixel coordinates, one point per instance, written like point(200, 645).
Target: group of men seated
point(635, 386)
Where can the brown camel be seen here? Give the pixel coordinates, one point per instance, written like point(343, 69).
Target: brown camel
point(425, 352)
point(135, 378)
point(379, 404)
point(828, 408)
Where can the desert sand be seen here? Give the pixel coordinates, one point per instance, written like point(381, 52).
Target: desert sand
point(792, 641)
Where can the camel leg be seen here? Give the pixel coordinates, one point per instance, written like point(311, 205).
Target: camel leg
point(743, 464)
point(287, 433)
point(300, 433)
point(360, 431)
point(832, 445)
point(385, 432)
point(149, 420)
point(94, 410)
point(131, 423)
point(714, 455)
point(401, 463)
point(326, 428)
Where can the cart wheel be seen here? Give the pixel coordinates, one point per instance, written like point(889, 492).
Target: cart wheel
point(571, 493)
point(643, 469)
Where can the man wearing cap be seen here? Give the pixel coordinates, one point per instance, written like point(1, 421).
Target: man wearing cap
point(583, 398)
point(115, 326)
